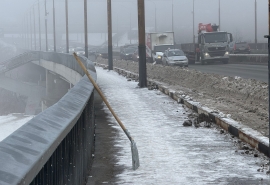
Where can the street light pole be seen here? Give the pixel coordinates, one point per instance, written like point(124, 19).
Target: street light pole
point(67, 36)
point(46, 18)
point(193, 25)
point(27, 33)
point(39, 30)
point(85, 29)
point(172, 18)
point(256, 23)
point(130, 28)
point(109, 15)
point(155, 18)
point(219, 14)
point(142, 47)
point(54, 36)
point(31, 40)
point(35, 36)
point(268, 38)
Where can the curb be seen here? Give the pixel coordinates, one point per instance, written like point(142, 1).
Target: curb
point(246, 134)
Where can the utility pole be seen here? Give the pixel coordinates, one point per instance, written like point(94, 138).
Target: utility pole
point(193, 25)
point(67, 36)
point(256, 24)
point(268, 37)
point(27, 33)
point(54, 36)
point(35, 36)
point(109, 15)
point(130, 28)
point(172, 18)
point(155, 18)
point(46, 34)
point(141, 47)
point(31, 41)
point(117, 31)
point(219, 14)
point(39, 26)
point(85, 29)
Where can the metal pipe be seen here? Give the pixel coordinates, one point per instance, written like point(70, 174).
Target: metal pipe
point(54, 36)
point(67, 36)
point(85, 29)
point(39, 29)
point(46, 32)
point(141, 47)
point(109, 15)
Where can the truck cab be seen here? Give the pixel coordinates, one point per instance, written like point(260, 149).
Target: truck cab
point(213, 45)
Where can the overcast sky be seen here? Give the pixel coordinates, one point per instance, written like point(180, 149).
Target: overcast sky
point(237, 16)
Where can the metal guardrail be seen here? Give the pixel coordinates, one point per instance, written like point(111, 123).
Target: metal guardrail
point(54, 147)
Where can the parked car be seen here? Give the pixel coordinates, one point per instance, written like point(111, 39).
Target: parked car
point(135, 56)
point(174, 57)
point(126, 53)
point(241, 48)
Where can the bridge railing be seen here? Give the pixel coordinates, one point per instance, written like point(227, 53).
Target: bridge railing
point(56, 146)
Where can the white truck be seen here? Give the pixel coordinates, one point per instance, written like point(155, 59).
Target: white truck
point(156, 44)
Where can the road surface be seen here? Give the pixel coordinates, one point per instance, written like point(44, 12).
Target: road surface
point(258, 72)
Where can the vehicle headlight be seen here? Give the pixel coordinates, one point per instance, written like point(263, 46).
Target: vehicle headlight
point(206, 54)
point(127, 54)
point(159, 57)
point(227, 53)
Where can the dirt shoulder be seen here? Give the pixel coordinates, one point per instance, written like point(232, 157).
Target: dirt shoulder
point(244, 100)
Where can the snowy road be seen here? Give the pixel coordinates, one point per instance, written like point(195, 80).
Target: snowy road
point(170, 153)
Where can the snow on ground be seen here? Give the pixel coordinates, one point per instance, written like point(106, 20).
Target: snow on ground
point(169, 152)
point(245, 100)
point(10, 123)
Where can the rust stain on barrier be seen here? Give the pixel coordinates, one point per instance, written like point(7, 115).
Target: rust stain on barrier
point(189, 105)
point(175, 97)
point(248, 139)
point(166, 91)
point(222, 124)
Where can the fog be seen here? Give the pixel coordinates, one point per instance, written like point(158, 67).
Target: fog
point(237, 17)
